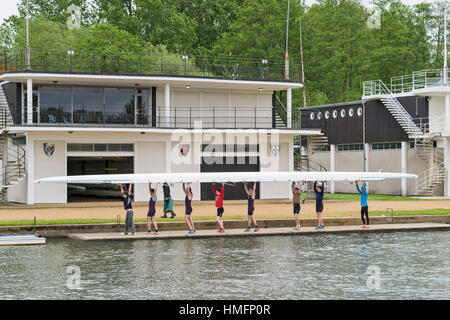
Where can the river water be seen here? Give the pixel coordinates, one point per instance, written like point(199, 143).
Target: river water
point(403, 265)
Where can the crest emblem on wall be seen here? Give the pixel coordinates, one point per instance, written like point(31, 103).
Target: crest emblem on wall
point(275, 150)
point(49, 149)
point(184, 149)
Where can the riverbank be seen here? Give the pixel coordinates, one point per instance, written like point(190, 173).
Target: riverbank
point(61, 231)
point(102, 212)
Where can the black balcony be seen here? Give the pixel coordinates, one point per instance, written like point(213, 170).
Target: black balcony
point(232, 68)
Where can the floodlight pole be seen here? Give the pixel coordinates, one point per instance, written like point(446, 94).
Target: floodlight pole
point(445, 78)
point(27, 49)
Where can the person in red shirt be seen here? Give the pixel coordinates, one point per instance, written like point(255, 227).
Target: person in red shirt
point(219, 195)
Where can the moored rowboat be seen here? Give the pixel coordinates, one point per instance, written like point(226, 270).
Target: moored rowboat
point(21, 239)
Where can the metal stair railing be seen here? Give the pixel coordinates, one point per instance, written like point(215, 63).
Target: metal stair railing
point(434, 175)
point(405, 120)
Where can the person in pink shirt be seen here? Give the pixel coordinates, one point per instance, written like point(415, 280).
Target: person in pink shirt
point(219, 195)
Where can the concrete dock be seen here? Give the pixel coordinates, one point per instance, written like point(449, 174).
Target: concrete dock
point(289, 231)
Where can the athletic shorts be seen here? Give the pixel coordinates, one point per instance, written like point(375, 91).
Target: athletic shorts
point(151, 214)
point(188, 211)
point(168, 205)
point(250, 211)
point(296, 208)
point(319, 207)
point(220, 212)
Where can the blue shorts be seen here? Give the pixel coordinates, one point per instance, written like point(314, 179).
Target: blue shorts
point(220, 212)
point(296, 208)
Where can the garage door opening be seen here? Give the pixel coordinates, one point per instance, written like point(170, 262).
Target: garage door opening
point(96, 165)
point(229, 164)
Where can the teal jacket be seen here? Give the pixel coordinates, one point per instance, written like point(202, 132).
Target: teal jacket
point(363, 194)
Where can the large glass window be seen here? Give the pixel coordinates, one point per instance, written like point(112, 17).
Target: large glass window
point(55, 104)
point(119, 105)
point(143, 111)
point(88, 105)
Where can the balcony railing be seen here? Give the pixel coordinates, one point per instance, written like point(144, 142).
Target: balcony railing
point(148, 64)
point(406, 83)
point(158, 117)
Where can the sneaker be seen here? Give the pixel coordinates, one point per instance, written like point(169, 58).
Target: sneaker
point(149, 231)
point(124, 234)
point(221, 230)
point(317, 228)
point(190, 231)
point(247, 229)
point(322, 227)
point(156, 231)
point(173, 215)
point(193, 230)
point(256, 229)
point(164, 216)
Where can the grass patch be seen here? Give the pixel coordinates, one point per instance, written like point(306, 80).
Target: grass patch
point(371, 197)
point(98, 221)
point(428, 212)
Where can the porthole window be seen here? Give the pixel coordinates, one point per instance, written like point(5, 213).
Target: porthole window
point(351, 112)
point(359, 111)
point(311, 115)
point(335, 113)
point(342, 113)
point(319, 115)
point(327, 114)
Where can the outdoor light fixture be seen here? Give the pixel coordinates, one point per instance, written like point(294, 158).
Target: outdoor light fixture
point(136, 84)
point(184, 57)
point(142, 132)
point(188, 86)
point(70, 52)
point(260, 89)
point(55, 82)
point(70, 132)
point(264, 61)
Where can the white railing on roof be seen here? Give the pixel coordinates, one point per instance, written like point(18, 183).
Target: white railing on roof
point(407, 83)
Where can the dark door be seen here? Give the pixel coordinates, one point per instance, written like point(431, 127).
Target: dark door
point(228, 164)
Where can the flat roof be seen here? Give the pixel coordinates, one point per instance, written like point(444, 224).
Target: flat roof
point(149, 81)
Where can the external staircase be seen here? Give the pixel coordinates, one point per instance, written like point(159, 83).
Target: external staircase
point(12, 157)
point(423, 134)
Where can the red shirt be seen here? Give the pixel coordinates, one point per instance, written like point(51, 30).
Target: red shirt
point(219, 198)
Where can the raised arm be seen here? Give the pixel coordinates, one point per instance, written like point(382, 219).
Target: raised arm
point(357, 188)
point(223, 190)
point(300, 186)
point(184, 189)
point(245, 187)
point(121, 188)
point(315, 186)
point(214, 188)
point(130, 191)
point(364, 188)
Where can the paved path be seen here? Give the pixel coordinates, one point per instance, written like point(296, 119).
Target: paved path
point(110, 236)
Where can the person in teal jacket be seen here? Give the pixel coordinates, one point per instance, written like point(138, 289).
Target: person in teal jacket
point(364, 205)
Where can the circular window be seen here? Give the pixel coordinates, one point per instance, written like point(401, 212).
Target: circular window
point(342, 113)
point(359, 111)
point(327, 114)
point(311, 115)
point(319, 115)
point(335, 113)
point(351, 112)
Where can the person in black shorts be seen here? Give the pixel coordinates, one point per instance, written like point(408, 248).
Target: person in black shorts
point(152, 209)
point(319, 205)
point(127, 198)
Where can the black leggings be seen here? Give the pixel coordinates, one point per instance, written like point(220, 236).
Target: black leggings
point(365, 212)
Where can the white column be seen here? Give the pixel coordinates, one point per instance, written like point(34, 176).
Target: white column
point(447, 113)
point(366, 162)
point(332, 166)
point(447, 162)
point(30, 169)
point(29, 101)
point(167, 104)
point(289, 108)
point(404, 152)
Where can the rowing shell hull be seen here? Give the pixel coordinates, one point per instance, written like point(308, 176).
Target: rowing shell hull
point(226, 177)
point(20, 239)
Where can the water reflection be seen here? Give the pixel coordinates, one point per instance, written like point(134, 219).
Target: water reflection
point(412, 264)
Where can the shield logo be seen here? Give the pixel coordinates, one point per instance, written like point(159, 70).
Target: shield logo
point(49, 149)
point(184, 149)
point(275, 150)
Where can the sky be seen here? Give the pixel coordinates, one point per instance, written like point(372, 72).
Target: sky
point(9, 7)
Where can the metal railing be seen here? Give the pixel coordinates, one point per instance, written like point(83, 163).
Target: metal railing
point(75, 61)
point(160, 117)
point(406, 83)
